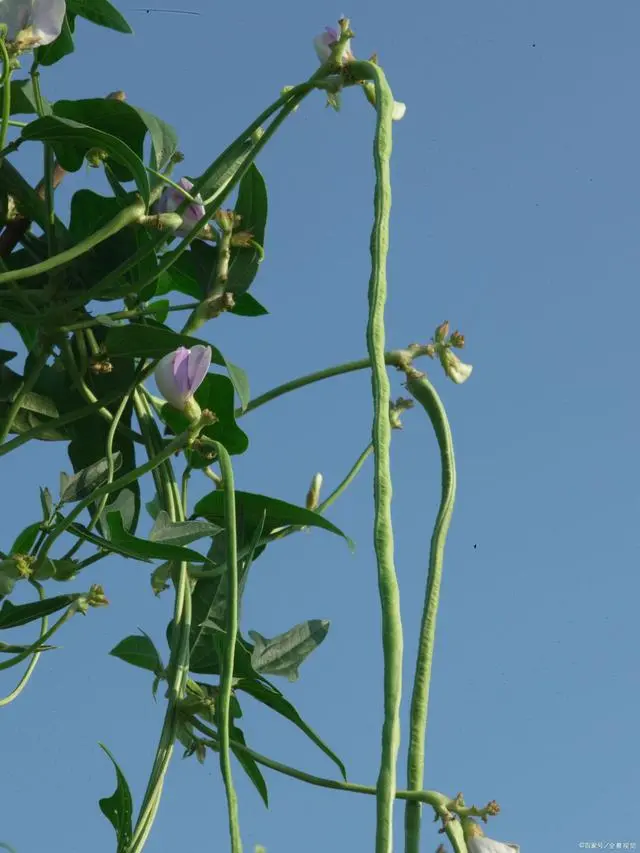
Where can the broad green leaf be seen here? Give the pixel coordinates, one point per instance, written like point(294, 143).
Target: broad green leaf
point(164, 139)
point(152, 550)
point(81, 485)
point(71, 140)
point(90, 211)
point(160, 578)
point(153, 507)
point(49, 54)
point(283, 654)
point(111, 116)
point(252, 506)
point(180, 532)
point(125, 505)
point(23, 101)
point(215, 394)
point(109, 545)
point(25, 540)
point(99, 12)
point(118, 808)
point(252, 207)
point(270, 696)
point(139, 651)
point(217, 588)
point(14, 615)
point(149, 341)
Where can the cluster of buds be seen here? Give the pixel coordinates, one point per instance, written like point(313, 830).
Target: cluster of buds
point(443, 343)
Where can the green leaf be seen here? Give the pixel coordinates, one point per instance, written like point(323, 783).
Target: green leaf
point(270, 696)
point(125, 505)
point(81, 485)
point(109, 545)
point(164, 139)
point(23, 101)
point(14, 615)
point(283, 654)
point(99, 12)
point(252, 207)
point(278, 513)
point(9, 576)
point(147, 341)
point(12, 649)
point(217, 587)
point(71, 140)
point(180, 532)
point(160, 578)
point(90, 211)
point(139, 651)
point(108, 115)
point(215, 394)
point(118, 808)
point(49, 54)
point(247, 306)
point(46, 502)
point(152, 550)
point(227, 167)
point(249, 765)
point(24, 541)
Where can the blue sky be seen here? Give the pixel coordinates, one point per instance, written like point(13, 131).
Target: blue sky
point(515, 216)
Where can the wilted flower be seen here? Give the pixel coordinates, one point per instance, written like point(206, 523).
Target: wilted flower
point(172, 198)
point(479, 843)
point(399, 109)
point(32, 23)
point(455, 369)
point(179, 375)
point(324, 43)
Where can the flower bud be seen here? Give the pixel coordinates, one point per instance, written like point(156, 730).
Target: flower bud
point(455, 369)
point(441, 332)
point(172, 198)
point(32, 23)
point(457, 340)
point(179, 375)
point(313, 495)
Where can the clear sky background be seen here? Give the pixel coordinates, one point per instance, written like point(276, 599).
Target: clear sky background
point(516, 216)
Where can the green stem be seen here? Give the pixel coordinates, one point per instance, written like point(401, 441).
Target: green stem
point(383, 530)
point(226, 682)
point(126, 315)
point(6, 91)
point(177, 444)
point(27, 384)
point(69, 418)
point(394, 358)
point(44, 623)
point(431, 798)
point(344, 485)
point(48, 165)
point(426, 395)
point(125, 218)
point(86, 392)
point(178, 668)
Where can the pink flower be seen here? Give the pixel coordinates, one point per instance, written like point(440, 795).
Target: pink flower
point(32, 23)
point(172, 198)
point(180, 373)
point(324, 42)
